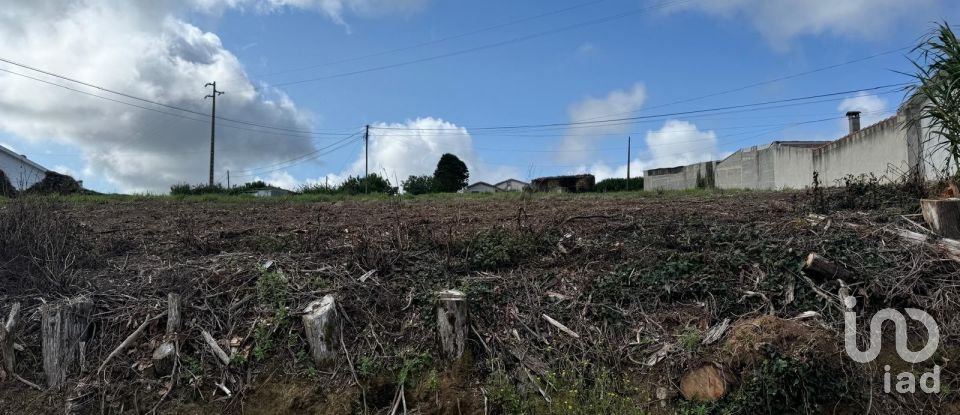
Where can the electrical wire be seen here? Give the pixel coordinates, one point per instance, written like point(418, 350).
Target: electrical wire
point(487, 46)
point(440, 40)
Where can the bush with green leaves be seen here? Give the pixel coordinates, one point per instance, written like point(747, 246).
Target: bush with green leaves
point(370, 184)
point(418, 185)
point(619, 184)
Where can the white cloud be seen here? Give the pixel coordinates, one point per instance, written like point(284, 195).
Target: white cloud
point(281, 179)
point(677, 143)
point(579, 139)
point(336, 10)
point(139, 48)
point(782, 20)
point(872, 107)
point(413, 147)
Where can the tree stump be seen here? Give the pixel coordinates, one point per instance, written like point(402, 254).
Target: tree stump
point(823, 269)
point(943, 216)
point(63, 325)
point(166, 353)
point(452, 322)
point(706, 383)
point(320, 322)
point(7, 357)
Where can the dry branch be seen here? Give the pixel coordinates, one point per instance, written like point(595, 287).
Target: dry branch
point(560, 326)
point(127, 342)
point(215, 348)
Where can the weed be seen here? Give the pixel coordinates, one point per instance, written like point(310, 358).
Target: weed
point(782, 385)
point(273, 295)
point(365, 366)
point(690, 339)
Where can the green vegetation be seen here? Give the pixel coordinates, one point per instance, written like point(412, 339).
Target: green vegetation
point(571, 392)
point(619, 185)
point(418, 185)
point(451, 174)
point(185, 189)
point(273, 296)
point(938, 76)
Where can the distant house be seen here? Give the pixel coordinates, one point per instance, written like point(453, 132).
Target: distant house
point(512, 185)
point(480, 187)
point(574, 183)
point(21, 171)
point(271, 192)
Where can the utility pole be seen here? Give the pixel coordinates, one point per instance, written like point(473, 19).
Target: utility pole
point(228, 179)
point(628, 162)
point(366, 158)
point(213, 123)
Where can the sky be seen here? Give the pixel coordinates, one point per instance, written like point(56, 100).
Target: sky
point(515, 89)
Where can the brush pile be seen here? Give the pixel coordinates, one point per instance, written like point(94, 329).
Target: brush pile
point(542, 304)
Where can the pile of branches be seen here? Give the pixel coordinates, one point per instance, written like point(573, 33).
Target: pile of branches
point(554, 306)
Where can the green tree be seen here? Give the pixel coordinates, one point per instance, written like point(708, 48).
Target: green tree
point(373, 184)
point(418, 185)
point(938, 75)
point(451, 174)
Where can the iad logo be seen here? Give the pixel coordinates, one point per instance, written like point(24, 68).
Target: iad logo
point(906, 381)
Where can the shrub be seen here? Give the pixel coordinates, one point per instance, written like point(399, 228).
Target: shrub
point(418, 185)
point(39, 248)
point(619, 185)
point(371, 184)
point(6, 188)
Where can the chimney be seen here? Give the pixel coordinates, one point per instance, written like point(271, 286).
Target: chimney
point(854, 118)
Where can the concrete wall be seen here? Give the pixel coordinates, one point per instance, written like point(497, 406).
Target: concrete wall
point(22, 173)
point(792, 167)
point(681, 177)
point(749, 168)
point(880, 149)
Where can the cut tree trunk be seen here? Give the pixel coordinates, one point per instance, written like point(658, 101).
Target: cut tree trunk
point(6, 342)
point(452, 322)
point(63, 325)
point(706, 383)
point(166, 353)
point(320, 324)
point(943, 216)
point(823, 269)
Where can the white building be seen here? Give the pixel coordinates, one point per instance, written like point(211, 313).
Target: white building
point(512, 185)
point(480, 187)
point(21, 171)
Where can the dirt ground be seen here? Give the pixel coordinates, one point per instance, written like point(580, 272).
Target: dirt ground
point(638, 280)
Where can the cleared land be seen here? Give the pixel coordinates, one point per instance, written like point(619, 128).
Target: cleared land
point(636, 282)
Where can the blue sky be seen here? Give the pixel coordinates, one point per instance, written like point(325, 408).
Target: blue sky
point(635, 65)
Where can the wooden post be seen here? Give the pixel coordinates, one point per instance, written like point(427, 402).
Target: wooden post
point(320, 322)
point(63, 324)
point(165, 354)
point(452, 322)
point(6, 342)
point(943, 216)
point(823, 268)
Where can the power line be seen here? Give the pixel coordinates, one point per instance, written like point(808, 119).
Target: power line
point(299, 162)
point(607, 122)
point(766, 82)
point(313, 155)
point(488, 45)
point(171, 114)
point(133, 97)
point(441, 40)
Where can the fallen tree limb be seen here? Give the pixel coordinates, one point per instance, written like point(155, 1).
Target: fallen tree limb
point(128, 341)
point(560, 326)
point(6, 341)
point(215, 348)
